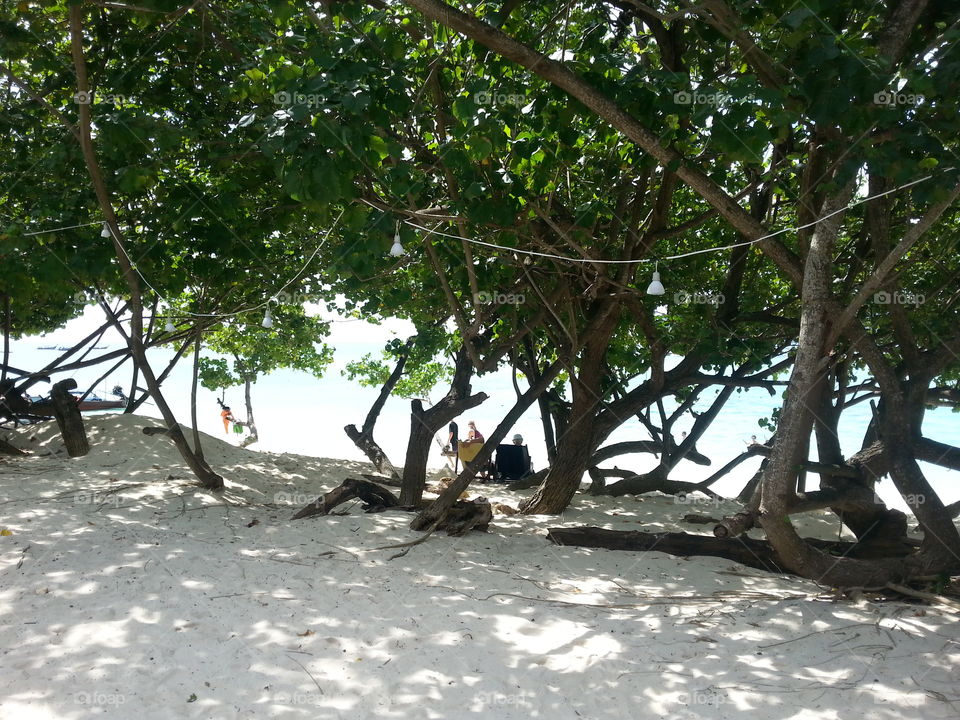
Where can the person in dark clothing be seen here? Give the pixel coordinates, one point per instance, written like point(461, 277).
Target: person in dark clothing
point(453, 438)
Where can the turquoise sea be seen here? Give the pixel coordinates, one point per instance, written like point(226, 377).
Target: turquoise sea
point(297, 413)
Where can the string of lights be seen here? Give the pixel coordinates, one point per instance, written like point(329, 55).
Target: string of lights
point(396, 250)
point(678, 256)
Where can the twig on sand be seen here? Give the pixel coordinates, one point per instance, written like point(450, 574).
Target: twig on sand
point(307, 672)
point(920, 595)
point(410, 544)
point(816, 632)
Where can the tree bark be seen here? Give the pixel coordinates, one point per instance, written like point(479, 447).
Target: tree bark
point(69, 420)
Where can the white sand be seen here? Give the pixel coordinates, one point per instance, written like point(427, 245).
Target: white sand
point(126, 592)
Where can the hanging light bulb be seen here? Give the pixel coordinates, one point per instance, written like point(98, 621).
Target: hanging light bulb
point(397, 249)
point(267, 319)
point(170, 327)
point(656, 287)
point(105, 233)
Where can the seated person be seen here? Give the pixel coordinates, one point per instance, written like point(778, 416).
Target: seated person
point(473, 435)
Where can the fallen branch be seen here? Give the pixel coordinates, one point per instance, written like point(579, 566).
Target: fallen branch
point(744, 550)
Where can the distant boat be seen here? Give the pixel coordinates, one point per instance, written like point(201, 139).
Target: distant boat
point(48, 347)
point(94, 402)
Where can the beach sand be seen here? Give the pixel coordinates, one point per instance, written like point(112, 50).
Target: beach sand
point(127, 592)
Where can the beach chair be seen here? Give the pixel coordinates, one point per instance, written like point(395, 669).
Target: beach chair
point(513, 462)
point(468, 451)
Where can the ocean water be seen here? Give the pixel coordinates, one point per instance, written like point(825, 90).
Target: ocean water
point(297, 413)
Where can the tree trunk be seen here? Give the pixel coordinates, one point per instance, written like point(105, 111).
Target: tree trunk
point(132, 403)
point(6, 336)
point(779, 483)
point(424, 424)
point(67, 412)
point(207, 477)
point(577, 443)
point(253, 436)
point(363, 438)
point(197, 448)
point(573, 459)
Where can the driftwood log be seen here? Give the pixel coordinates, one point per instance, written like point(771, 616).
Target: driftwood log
point(744, 550)
point(375, 497)
point(461, 518)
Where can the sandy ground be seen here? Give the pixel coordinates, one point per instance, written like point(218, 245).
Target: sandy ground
point(126, 592)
